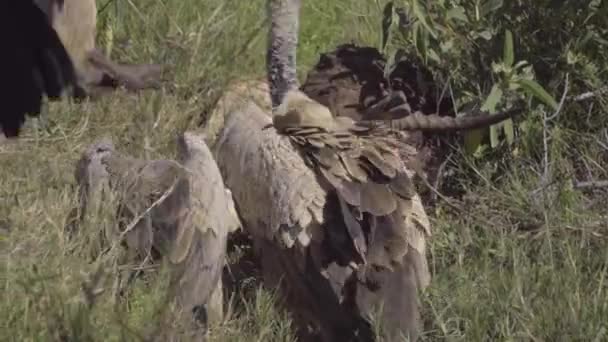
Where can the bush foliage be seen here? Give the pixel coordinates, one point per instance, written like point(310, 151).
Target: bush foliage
point(521, 253)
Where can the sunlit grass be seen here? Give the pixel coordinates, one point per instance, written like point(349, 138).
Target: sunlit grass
point(516, 263)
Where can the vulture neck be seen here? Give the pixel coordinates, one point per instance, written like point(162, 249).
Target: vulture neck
point(281, 53)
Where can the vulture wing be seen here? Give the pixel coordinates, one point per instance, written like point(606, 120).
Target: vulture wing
point(361, 163)
point(181, 208)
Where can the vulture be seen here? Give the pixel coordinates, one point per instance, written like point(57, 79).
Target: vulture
point(49, 47)
point(329, 201)
point(76, 24)
point(34, 63)
point(350, 80)
point(372, 256)
point(178, 209)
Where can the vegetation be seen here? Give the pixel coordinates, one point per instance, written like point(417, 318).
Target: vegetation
point(520, 248)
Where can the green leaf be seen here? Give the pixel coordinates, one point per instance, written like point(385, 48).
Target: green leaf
point(157, 104)
point(387, 23)
point(446, 46)
point(420, 39)
point(600, 40)
point(489, 7)
point(457, 13)
point(419, 12)
point(507, 127)
point(433, 56)
point(485, 34)
point(588, 36)
point(494, 136)
point(390, 63)
point(508, 54)
point(415, 35)
point(536, 90)
point(571, 57)
point(490, 106)
point(521, 64)
point(594, 5)
point(492, 100)
point(472, 141)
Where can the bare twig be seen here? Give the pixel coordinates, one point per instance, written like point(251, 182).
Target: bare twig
point(546, 120)
point(439, 176)
point(545, 175)
point(104, 6)
point(418, 169)
point(589, 94)
point(561, 101)
point(588, 119)
point(603, 144)
point(453, 98)
point(594, 184)
point(443, 92)
point(137, 219)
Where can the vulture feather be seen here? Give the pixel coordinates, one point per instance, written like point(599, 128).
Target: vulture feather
point(329, 202)
point(359, 166)
point(177, 208)
point(34, 63)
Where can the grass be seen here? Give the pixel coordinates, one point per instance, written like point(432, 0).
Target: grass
point(514, 263)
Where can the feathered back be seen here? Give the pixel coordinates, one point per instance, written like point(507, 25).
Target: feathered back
point(360, 162)
point(338, 215)
point(367, 167)
point(368, 249)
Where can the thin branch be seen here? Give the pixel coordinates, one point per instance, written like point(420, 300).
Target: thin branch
point(138, 218)
point(561, 102)
point(602, 144)
point(453, 99)
point(443, 92)
point(546, 120)
point(589, 94)
point(545, 176)
point(104, 6)
point(588, 119)
point(439, 176)
point(591, 184)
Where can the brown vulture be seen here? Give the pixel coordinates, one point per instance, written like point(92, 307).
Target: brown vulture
point(329, 202)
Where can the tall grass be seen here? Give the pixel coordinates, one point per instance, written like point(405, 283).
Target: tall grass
point(517, 262)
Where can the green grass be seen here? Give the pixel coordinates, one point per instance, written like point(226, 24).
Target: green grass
point(513, 264)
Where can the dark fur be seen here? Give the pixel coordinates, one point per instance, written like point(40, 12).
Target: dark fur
point(34, 62)
point(97, 73)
